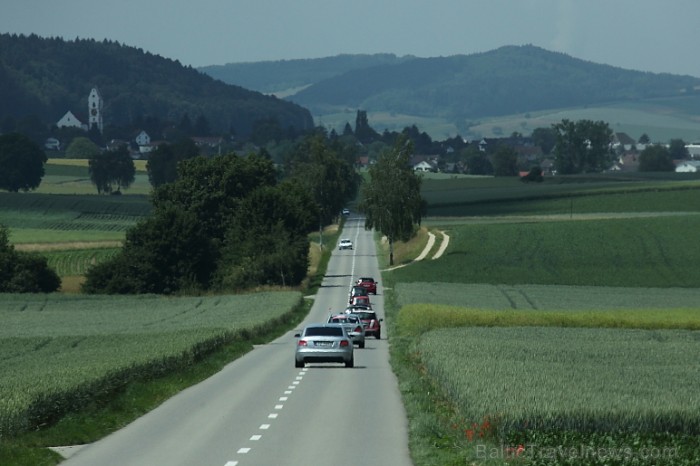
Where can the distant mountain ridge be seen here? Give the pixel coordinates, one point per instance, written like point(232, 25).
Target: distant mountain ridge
point(280, 76)
point(504, 81)
point(47, 77)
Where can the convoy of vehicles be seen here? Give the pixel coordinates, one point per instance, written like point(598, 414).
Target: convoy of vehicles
point(334, 340)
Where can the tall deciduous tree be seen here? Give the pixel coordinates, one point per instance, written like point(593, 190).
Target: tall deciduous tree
point(82, 148)
point(677, 150)
point(545, 138)
point(330, 179)
point(656, 158)
point(391, 199)
point(583, 146)
point(22, 163)
point(505, 162)
point(162, 162)
point(112, 169)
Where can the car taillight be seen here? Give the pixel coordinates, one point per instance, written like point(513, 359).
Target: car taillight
point(344, 343)
point(358, 329)
point(302, 343)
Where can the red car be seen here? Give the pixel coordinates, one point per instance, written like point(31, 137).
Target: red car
point(360, 301)
point(371, 323)
point(368, 283)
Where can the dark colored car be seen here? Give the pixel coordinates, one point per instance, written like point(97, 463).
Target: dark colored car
point(368, 283)
point(357, 290)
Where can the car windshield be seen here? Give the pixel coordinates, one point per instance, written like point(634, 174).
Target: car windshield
point(367, 279)
point(367, 315)
point(323, 332)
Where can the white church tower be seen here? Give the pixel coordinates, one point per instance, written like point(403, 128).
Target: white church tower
point(95, 109)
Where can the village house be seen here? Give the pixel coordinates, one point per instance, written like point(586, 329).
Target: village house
point(69, 120)
point(688, 166)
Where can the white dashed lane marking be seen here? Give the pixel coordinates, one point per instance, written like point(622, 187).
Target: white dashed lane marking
point(278, 407)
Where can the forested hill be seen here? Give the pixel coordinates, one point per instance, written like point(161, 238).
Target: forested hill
point(285, 76)
point(508, 80)
point(46, 77)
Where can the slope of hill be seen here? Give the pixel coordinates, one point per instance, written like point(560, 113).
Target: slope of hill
point(508, 80)
point(47, 77)
point(285, 76)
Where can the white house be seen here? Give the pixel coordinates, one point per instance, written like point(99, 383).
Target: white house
point(689, 166)
point(693, 149)
point(142, 139)
point(70, 121)
point(423, 167)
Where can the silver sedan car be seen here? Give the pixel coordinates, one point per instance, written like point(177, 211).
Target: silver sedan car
point(324, 343)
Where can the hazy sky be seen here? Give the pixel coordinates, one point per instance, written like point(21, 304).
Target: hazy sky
point(646, 35)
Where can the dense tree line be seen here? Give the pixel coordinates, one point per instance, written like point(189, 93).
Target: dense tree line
point(230, 222)
point(197, 238)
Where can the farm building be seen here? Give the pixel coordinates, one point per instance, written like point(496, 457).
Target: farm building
point(688, 166)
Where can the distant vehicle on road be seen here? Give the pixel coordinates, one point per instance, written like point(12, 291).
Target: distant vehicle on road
point(345, 244)
point(324, 343)
point(369, 283)
point(346, 211)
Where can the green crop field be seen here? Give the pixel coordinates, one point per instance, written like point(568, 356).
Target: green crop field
point(57, 352)
point(71, 176)
point(638, 252)
point(526, 381)
point(77, 261)
point(560, 327)
point(487, 196)
point(47, 218)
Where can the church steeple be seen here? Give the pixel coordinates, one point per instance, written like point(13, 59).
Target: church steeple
point(95, 109)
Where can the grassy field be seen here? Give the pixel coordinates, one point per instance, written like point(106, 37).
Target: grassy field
point(487, 196)
point(71, 176)
point(641, 252)
point(54, 218)
point(551, 335)
point(61, 351)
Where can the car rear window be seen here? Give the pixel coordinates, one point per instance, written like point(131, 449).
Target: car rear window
point(324, 332)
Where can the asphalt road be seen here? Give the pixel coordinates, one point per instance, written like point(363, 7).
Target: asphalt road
point(260, 410)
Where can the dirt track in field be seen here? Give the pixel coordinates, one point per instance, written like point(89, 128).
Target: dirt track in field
point(66, 246)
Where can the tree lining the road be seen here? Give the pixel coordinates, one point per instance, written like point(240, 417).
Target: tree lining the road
point(391, 198)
